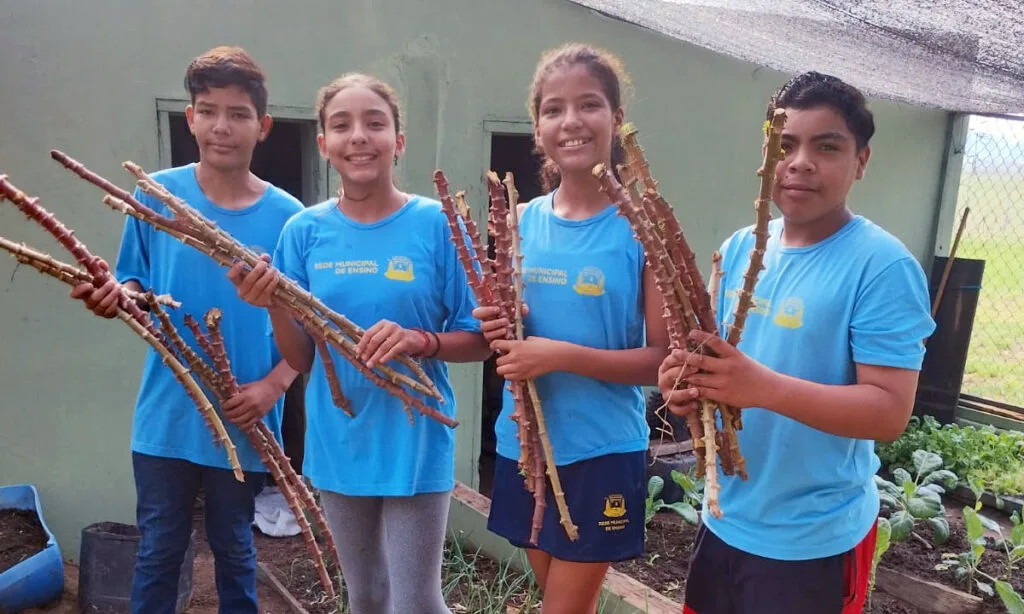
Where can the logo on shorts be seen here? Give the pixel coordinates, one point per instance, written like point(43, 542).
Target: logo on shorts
point(614, 506)
point(615, 510)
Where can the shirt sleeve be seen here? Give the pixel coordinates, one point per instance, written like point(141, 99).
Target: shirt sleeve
point(133, 256)
point(459, 301)
point(289, 258)
point(892, 317)
point(290, 253)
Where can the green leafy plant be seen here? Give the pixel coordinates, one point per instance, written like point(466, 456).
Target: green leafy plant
point(882, 542)
point(966, 566)
point(655, 503)
point(917, 498)
point(693, 492)
point(984, 458)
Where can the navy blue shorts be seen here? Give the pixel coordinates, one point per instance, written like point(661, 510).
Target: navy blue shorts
point(606, 497)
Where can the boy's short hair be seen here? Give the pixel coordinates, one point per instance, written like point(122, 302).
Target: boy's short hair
point(225, 66)
point(813, 89)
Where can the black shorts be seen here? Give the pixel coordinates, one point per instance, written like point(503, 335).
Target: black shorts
point(726, 580)
point(605, 496)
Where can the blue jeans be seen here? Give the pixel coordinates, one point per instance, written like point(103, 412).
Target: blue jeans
point(166, 490)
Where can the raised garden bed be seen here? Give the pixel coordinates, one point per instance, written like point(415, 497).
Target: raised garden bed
point(669, 545)
point(991, 459)
point(914, 558)
point(473, 582)
point(666, 561)
point(1005, 503)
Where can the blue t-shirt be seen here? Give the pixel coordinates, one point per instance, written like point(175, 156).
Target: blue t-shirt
point(583, 282)
point(167, 422)
point(402, 268)
point(856, 297)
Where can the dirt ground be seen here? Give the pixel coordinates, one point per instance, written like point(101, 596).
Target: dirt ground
point(667, 559)
point(21, 537)
point(204, 596)
point(669, 543)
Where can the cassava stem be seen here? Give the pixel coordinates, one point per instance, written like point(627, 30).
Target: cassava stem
point(772, 155)
point(99, 272)
point(69, 274)
point(194, 230)
point(531, 386)
point(499, 284)
point(292, 487)
point(716, 281)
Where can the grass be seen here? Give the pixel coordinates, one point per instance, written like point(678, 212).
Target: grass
point(995, 234)
point(473, 583)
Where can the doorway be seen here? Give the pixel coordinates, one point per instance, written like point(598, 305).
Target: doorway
point(510, 152)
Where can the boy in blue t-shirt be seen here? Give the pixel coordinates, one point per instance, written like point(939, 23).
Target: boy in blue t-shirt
point(828, 363)
point(173, 453)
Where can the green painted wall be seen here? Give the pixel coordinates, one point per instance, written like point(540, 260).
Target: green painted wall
point(84, 77)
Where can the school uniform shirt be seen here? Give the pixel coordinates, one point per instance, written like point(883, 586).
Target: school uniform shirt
point(583, 282)
point(402, 268)
point(856, 297)
point(167, 422)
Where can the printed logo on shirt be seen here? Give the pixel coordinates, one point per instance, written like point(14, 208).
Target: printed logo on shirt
point(614, 509)
point(540, 275)
point(791, 313)
point(590, 282)
point(348, 267)
point(400, 269)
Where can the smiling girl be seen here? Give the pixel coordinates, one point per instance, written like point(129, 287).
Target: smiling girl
point(595, 336)
point(384, 259)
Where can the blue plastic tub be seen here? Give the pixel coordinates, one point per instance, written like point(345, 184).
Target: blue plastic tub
point(39, 579)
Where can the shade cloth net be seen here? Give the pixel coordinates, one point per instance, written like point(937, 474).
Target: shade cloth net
point(956, 55)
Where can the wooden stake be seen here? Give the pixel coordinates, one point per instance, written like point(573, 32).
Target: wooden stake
point(949, 262)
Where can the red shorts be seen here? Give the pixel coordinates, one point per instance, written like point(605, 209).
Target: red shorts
point(725, 579)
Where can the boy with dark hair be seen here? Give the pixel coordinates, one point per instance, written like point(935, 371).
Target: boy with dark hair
point(828, 364)
point(173, 454)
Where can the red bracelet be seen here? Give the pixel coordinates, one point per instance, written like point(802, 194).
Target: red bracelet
point(437, 346)
point(426, 341)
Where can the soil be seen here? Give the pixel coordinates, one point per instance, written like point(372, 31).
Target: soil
point(669, 544)
point(289, 561)
point(913, 558)
point(21, 537)
point(667, 556)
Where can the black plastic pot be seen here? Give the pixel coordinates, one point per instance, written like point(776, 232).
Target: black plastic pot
point(107, 566)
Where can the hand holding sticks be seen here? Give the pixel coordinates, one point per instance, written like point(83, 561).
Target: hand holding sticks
point(326, 327)
point(98, 272)
point(165, 341)
point(220, 379)
point(498, 283)
point(688, 303)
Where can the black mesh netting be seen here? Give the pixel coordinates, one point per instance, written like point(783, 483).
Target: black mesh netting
point(957, 55)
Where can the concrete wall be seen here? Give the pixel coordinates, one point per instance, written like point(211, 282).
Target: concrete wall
point(84, 77)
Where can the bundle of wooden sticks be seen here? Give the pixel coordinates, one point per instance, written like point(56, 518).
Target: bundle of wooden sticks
point(187, 366)
point(498, 282)
point(688, 302)
point(327, 327)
